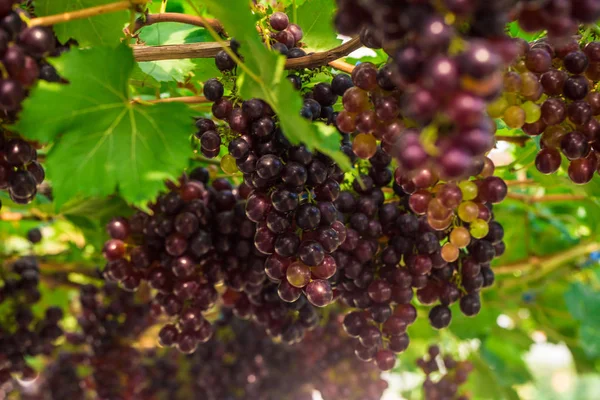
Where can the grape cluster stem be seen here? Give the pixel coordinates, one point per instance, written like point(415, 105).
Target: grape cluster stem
point(85, 13)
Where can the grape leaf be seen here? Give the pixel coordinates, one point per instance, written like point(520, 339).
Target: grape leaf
point(102, 140)
point(106, 29)
point(314, 17)
point(176, 70)
point(506, 360)
point(269, 83)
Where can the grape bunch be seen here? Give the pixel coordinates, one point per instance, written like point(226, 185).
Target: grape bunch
point(196, 236)
point(20, 172)
point(453, 375)
point(292, 191)
point(22, 52)
point(394, 249)
point(22, 334)
point(560, 19)
point(110, 320)
point(239, 362)
point(284, 38)
point(427, 105)
point(551, 91)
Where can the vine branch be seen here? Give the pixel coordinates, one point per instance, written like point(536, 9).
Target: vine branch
point(549, 263)
point(546, 198)
point(85, 13)
point(151, 19)
point(518, 140)
point(209, 50)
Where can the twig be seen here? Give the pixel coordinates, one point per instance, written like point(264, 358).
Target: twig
point(548, 263)
point(518, 140)
point(184, 99)
point(546, 198)
point(85, 13)
point(342, 66)
point(210, 50)
point(176, 51)
point(524, 182)
point(152, 19)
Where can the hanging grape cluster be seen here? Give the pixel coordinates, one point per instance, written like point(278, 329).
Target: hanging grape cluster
point(451, 375)
point(23, 333)
point(22, 54)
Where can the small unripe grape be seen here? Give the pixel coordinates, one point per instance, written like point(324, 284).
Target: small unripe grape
point(460, 237)
point(450, 252)
point(514, 117)
point(533, 112)
point(468, 189)
point(496, 108)
point(479, 228)
point(228, 165)
point(468, 211)
point(364, 145)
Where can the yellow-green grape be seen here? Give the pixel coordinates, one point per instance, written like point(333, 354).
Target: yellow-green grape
point(496, 108)
point(533, 112)
point(460, 237)
point(450, 252)
point(530, 84)
point(468, 211)
point(298, 274)
point(514, 117)
point(228, 165)
point(479, 228)
point(364, 145)
point(468, 189)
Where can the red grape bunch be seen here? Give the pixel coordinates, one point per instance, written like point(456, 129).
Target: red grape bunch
point(22, 335)
point(551, 91)
point(427, 104)
point(453, 375)
point(394, 250)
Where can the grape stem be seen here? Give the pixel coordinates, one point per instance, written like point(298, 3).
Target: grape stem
point(85, 13)
point(151, 19)
point(546, 198)
point(518, 140)
point(184, 99)
point(544, 265)
point(210, 50)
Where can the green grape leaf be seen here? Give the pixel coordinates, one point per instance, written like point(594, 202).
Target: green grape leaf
point(102, 139)
point(106, 29)
point(314, 17)
point(583, 303)
point(175, 33)
point(269, 81)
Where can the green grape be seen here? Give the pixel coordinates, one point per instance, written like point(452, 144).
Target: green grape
point(479, 228)
point(468, 189)
point(468, 211)
point(533, 112)
point(496, 109)
point(298, 274)
point(228, 165)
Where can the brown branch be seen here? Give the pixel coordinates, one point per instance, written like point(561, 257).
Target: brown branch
point(518, 140)
point(546, 198)
point(210, 50)
point(176, 51)
point(324, 57)
point(184, 99)
point(524, 182)
point(540, 266)
point(85, 13)
point(151, 19)
point(342, 66)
